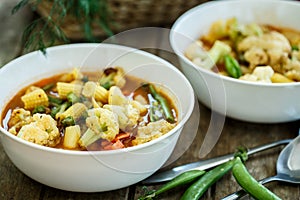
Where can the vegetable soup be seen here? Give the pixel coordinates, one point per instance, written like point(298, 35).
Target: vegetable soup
point(251, 52)
point(85, 111)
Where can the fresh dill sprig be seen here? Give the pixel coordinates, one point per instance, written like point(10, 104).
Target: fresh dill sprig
point(46, 31)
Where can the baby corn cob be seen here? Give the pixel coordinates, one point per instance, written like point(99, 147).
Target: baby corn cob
point(101, 94)
point(72, 135)
point(64, 89)
point(37, 97)
point(91, 89)
point(75, 111)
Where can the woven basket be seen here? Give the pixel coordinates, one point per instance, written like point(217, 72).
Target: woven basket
point(127, 14)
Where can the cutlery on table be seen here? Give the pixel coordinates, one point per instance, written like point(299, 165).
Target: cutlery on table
point(205, 164)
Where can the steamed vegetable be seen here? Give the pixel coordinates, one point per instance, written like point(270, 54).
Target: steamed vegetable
point(235, 49)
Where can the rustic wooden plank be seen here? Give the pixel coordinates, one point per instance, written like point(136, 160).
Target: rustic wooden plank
point(12, 27)
point(14, 184)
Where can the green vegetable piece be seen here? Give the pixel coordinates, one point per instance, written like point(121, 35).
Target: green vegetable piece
point(60, 108)
point(155, 111)
point(107, 79)
point(54, 100)
point(217, 52)
point(73, 98)
point(163, 102)
point(249, 184)
point(68, 121)
point(182, 179)
point(90, 136)
point(232, 66)
point(295, 48)
point(48, 86)
point(39, 109)
point(198, 188)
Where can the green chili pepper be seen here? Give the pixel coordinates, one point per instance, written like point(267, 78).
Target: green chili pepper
point(198, 188)
point(249, 184)
point(232, 66)
point(182, 179)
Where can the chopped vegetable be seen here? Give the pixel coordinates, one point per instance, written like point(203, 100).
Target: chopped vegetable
point(42, 130)
point(73, 98)
point(112, 77)
point(39, 109)
point(217, 52)
point(232, 66)
point(102, 123)
point(163, 102)
point(68, 121)
point(72, 135)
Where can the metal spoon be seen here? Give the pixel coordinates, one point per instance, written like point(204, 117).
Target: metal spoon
point(205, 164)
point(287, 168)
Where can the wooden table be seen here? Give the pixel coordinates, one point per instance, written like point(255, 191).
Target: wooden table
point(234, 133)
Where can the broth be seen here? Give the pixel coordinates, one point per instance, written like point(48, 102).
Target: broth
point(133, 89)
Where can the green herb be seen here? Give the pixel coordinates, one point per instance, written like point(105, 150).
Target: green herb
point(46, 31)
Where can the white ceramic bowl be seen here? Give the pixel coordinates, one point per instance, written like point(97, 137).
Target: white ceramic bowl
point(253, 102)
point(92, 171)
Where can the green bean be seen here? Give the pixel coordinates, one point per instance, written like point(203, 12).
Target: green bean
point(73, 98)
point(249, 184)
point(54, 100)
point(48, 86)
point(182, 179)
point(163, 102)
point(232, 66)
point(39, 109)
point(295, 48)
point(68, 121)
point(198, 188)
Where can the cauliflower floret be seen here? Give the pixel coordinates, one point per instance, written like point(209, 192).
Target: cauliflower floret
point(116, 97)
point(103, 122)
point(127, 110)
point(274, 45)
point(256, 56)
point(292, 70)
point(152, 130)
point(260, 74)
point(195, 50)
point(42, 130)
point(19, 117)
point(128, 116)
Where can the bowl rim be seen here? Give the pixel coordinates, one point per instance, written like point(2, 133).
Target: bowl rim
point(186, 15)
point(167, 64)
